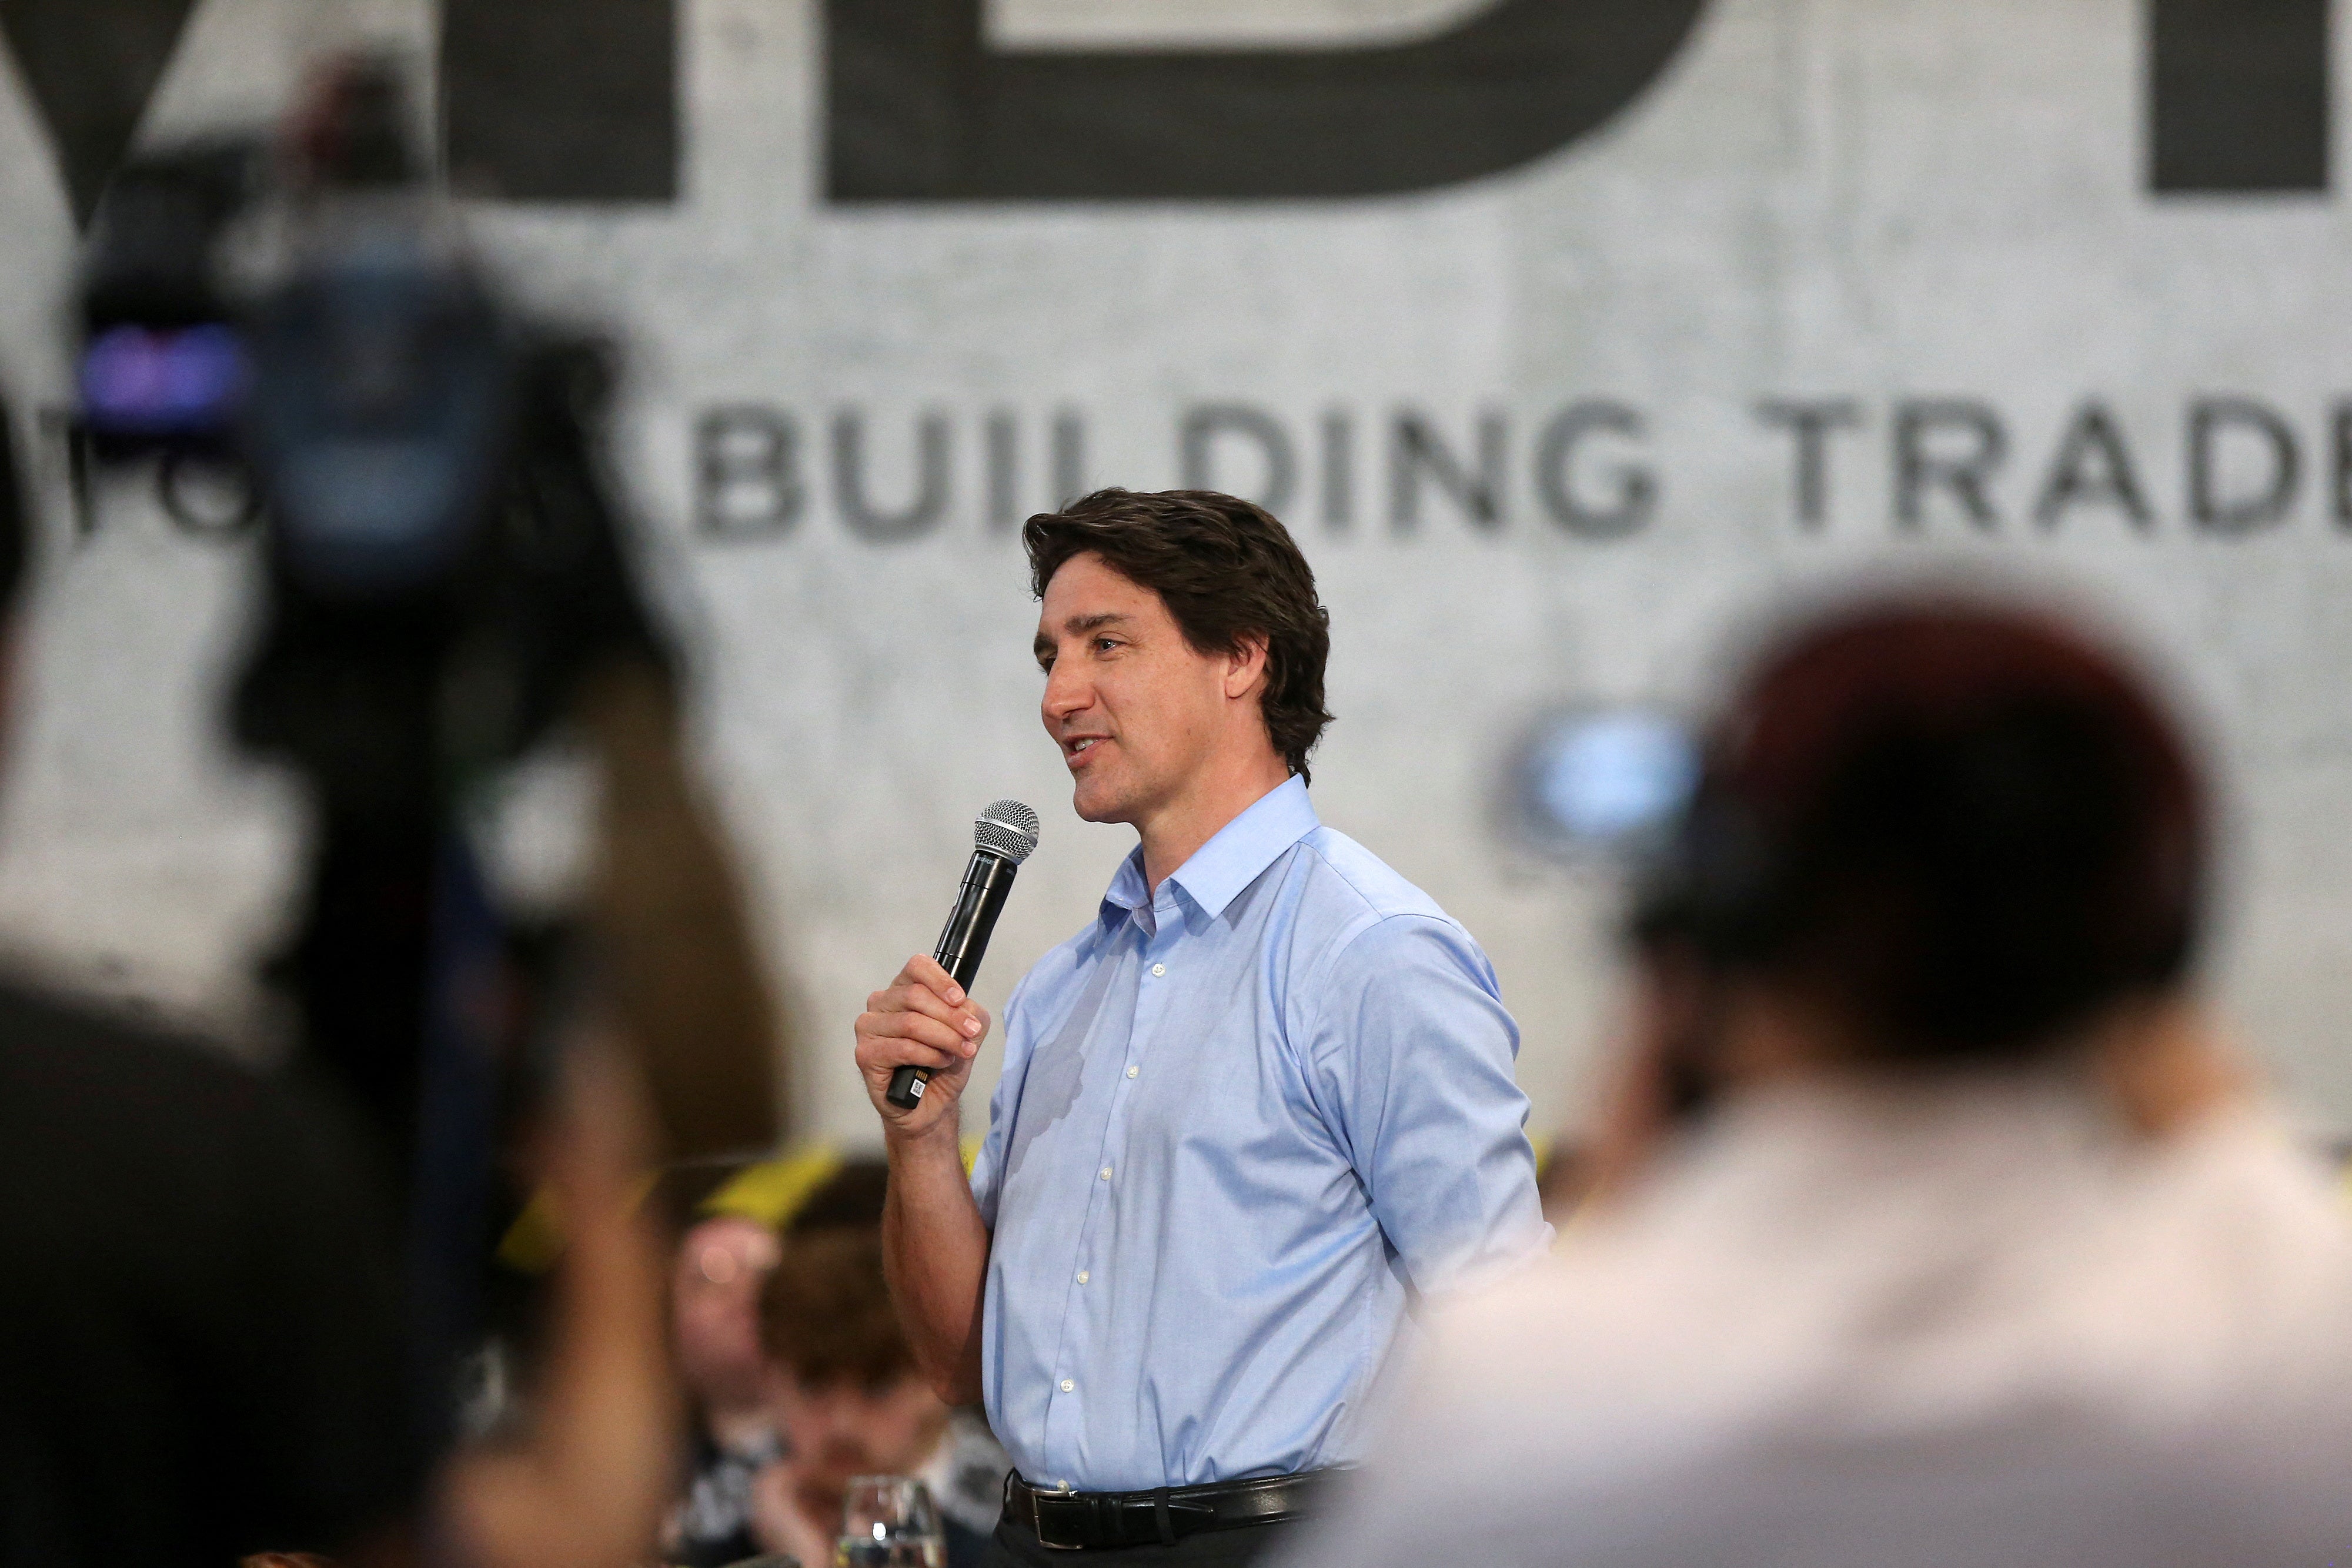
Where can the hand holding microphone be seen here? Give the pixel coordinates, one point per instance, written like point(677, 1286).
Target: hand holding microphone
point(925, 1022)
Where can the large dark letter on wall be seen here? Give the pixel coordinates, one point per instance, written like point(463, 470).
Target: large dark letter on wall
point(922, 110)
point(91, 65)
point(561, 100)
point(2238, 95)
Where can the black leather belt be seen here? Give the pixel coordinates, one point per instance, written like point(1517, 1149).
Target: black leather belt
point(1074, 1520)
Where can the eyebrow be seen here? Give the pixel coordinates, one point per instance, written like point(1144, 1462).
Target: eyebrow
point(1078, 625)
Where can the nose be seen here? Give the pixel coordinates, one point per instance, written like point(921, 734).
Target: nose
point(1067, 691)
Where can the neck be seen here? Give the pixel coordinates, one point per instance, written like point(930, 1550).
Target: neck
point(2158, 1060)
point(2165, 1066)
point(1174, 834)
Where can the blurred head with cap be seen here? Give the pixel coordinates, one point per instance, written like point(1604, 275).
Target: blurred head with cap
point(715, 1305)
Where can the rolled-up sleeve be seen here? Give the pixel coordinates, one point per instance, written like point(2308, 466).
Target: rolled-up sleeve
point(1413, 1054)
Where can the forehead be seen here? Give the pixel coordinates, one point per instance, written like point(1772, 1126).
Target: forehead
point(723, 1250)
point(1085, 586)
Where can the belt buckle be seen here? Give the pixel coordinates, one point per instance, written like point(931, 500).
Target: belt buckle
point(1072, 1507)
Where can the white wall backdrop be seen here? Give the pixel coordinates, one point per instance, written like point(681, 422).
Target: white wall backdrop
point(1882, 202)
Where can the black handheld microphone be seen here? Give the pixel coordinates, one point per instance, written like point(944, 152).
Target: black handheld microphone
point(1002, 839)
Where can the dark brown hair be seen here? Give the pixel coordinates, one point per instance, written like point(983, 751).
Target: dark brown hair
point(826, 1310)
point(1967, 827)
point(1227, 571)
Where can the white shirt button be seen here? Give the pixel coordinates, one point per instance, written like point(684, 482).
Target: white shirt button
point(1133, 1070)
point(1067, 1385)
point(1105, 1173)
point(1158, 968)
point(1082, 1276)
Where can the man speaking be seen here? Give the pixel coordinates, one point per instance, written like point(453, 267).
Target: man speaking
point(1254, 1107)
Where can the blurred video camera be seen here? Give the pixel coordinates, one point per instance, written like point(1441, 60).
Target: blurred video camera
point(302, 319)
point(446, 571)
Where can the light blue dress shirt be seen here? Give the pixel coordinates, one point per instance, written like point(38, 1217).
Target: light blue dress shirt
point(1240, 1126)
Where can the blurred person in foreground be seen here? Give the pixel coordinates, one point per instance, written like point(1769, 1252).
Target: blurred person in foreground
point(715, 1283)
point(849, 1396)
point(1258, 1102)
point(1944, 1231)
point(202, 1350)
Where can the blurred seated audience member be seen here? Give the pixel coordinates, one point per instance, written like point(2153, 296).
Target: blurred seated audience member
point(715, 1285)
point(849, 1399)
point(1945, 1231)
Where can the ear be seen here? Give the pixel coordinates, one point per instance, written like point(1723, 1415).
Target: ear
point(1246, 668)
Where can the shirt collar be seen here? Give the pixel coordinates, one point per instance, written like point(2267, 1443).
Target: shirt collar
point(1231, 859)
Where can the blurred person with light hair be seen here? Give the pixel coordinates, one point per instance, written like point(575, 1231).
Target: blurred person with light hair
point(1940, 1227)
point(715, 1282)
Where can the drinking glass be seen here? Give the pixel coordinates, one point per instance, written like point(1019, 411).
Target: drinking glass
point(888, 1521)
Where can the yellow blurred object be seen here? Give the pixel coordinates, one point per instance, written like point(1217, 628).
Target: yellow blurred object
point(772, 1191)
point(535, 1240)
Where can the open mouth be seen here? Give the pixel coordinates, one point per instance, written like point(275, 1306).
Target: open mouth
point(1076, 747)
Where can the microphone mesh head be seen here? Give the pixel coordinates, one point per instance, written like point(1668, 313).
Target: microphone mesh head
point(1007, 828)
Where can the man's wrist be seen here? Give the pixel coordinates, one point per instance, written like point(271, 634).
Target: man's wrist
point(946, 1134)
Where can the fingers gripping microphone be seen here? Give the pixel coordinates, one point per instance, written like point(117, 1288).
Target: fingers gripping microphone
point(1002, 839)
